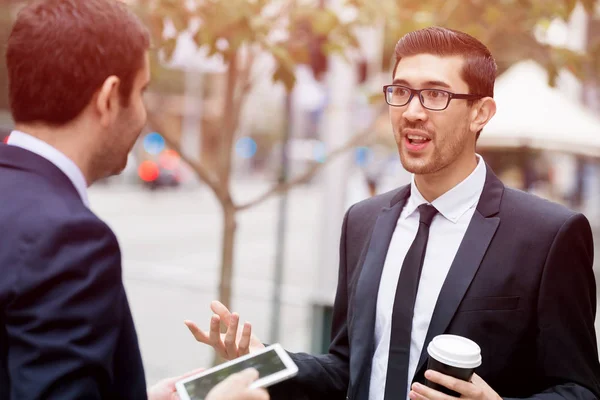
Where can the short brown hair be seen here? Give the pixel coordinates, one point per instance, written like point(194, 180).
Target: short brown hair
point(479, 71)
point(60, 52)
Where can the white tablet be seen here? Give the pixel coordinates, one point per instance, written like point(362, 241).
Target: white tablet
point(272, 363)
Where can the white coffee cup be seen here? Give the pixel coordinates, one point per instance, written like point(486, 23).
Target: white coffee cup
point(453, 355)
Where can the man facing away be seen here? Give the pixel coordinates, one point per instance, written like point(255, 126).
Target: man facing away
point(77, 72)
point(454, 252)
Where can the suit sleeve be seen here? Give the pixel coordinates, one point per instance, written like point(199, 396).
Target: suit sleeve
point(324, 376)
point(566, 343)
point(63, 324)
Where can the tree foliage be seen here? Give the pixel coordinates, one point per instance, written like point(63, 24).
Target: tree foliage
point(294, 32)
point(507, 27)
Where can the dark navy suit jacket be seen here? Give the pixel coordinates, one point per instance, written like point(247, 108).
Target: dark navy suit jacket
point(66, 331)
point(521, 285)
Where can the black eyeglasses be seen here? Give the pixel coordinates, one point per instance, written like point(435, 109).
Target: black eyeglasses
point(431, 99)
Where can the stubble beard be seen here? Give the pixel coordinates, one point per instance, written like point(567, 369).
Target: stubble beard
point(438, 159)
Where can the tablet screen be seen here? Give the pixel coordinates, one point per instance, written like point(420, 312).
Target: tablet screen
point(266, 364)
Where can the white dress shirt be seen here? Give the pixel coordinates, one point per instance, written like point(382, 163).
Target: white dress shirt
point(456, 208)
point(62, 162)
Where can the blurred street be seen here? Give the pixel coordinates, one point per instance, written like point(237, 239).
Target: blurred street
point(171, 242)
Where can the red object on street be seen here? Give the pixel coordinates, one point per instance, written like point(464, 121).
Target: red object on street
point(148, 171)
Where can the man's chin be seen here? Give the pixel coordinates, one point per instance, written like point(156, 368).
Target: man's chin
point(117, 170)
point(419, 166)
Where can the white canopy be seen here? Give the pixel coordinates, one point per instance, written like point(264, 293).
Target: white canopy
point(531, 113)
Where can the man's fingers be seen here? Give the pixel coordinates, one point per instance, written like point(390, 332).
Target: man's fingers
point(477, 381)
point(257, 394)
point(457, 385)
point(215, 336)
point(247, 376)
point(231, 335)
point(199, 335)
point(416, 396)
point(420, 392)
point(223, 312)
point(244, 345)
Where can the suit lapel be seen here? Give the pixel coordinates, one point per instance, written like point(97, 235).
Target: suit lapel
point(367, 287)
point(470, 253)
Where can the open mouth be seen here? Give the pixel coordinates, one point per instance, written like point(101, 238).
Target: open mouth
point(416, 142)
point(416, 139)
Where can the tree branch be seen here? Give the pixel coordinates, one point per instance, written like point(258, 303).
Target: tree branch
point(203, 173)
point(309, 173)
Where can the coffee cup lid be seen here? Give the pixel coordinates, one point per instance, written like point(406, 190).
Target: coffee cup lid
point(456, 351)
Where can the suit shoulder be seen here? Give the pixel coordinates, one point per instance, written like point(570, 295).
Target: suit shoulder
point(531, 209)
point(52, 212)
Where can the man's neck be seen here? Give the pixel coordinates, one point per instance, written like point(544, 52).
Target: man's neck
point(431, 186)
point(66, 140)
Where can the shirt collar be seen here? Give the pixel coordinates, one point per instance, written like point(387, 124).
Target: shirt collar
point(456, 201)
point(61, 161)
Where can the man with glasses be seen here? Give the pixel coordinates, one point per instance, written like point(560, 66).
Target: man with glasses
point(454, 252)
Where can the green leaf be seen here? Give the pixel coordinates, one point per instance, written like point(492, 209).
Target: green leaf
point(347, 35)
point(492, 15)
point(203, 37)
point(324, 21)
point(375, 98)
point(168, 48)
point(589, 5)
point(332, 48)
point(285, 76)
point(570, 5)
point(299, 54)
point(282, 56)
point(180, 21)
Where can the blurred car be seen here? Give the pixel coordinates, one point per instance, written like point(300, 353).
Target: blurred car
point(162, 171)
point(4, 133)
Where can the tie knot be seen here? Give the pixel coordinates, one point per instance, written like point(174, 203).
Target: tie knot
point(427, 212)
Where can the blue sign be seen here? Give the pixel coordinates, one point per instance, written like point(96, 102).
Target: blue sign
point(362, 155)
point(320, 152)
point(154, 143)
point(246, 147)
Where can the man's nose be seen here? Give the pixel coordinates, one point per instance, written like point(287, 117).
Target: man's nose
point(414, 110)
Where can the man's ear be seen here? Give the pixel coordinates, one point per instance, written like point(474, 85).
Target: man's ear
point(107, 101)
point(482, 112)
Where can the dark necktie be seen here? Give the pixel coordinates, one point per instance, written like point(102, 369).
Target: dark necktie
point(404, 305)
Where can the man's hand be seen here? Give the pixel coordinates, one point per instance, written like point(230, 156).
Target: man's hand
point(228, 345)
point(236, 388)
point(477, 389)
point(165, 389)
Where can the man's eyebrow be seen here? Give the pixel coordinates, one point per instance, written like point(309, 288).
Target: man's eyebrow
point(426, 84)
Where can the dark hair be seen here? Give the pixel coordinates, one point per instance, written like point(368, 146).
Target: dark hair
point(479, 70)
point(60, 52)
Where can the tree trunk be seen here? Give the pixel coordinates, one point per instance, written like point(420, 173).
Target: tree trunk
point(227, 247)
point(228, 242)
